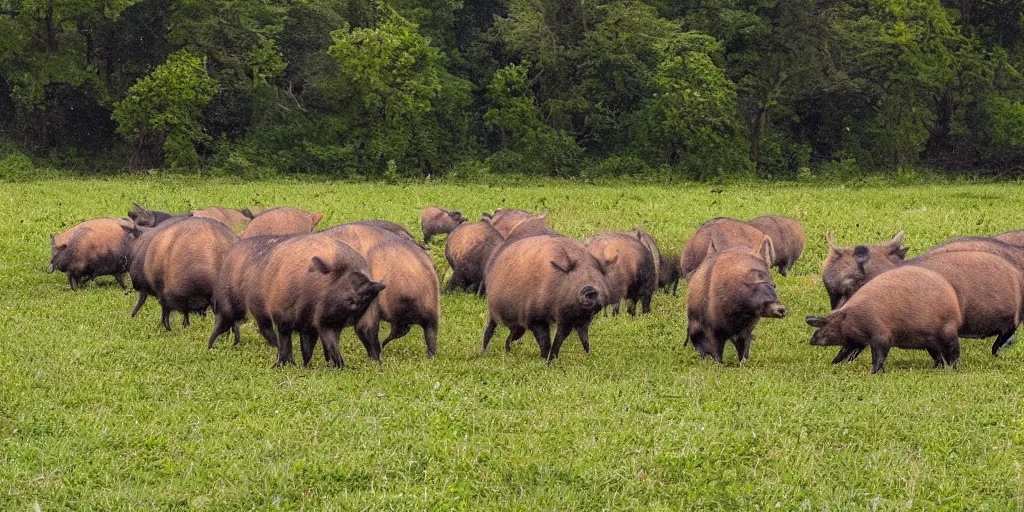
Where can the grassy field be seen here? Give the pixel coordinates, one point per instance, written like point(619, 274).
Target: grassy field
point(99, 411)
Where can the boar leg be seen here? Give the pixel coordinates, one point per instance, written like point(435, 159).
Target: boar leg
point(138, 304)
point(878, 355)
point(542, 332)
point(165, 317)
point(451, 283)
point(561, 333)
point(1001, 340)
point(632, 308)
point(646, 303)
point(120, 280)
point(266, 329)
point(615, 309)
point(430, 338)
point(938, 360)
point(221, 325)
point(950, 344)
point(307, 342)
point(236, 332)
point(397, 331)
point(71, 282)
point(848, 354)
point(184, 320)
point(368, 332)
point(675, 288)
point(329, 342)
point(583, 331)
point(513, 336)
point(284, 347)
point(489, 332)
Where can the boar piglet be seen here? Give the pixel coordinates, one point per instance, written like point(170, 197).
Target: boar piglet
point(315, 286)
point(543, 280)
point(97, 247)
point(727, 295)
point(467, 250)
point(438, 221)
point(725, 233)
point(629, 266)
point(908, 307)
point(788, 239)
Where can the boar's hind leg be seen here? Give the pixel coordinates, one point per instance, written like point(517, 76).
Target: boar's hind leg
point(583, 331)
point(71, 282)
point(368, 332)
point(307, 342)
point(329, 342)
point(878, 355)
point(513, 336)
point(184, 321)
point(950, 344)
point(120, 280)
point(397, 331)
point(847, 354)
point(430, 338)
point(489, 332)
point(284, 347)
point(937, 360)
point(138, 304)
point(542, 332)
point(165, 316)
point(1001, 340)
point(221, 325)
point(563, 332)
point(266, 329)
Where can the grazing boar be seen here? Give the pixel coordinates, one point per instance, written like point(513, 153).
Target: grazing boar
point(787, 236)
point(281, 221)
point(846, 269)
point(543, 280)
point(412, 295)
point(437, 221)
point(388, 226)
point(312, 285)
point(629, 267)
point(669, 273)
point(97, 247)
point(725, 233)
point(908, 307)
point(180, 265)
point(149, 218)
point(238, 280)
point(506, 219)
point(467, 250)
point(237, 220)
point(727, 295)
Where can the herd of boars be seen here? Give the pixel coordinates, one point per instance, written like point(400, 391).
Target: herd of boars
point(274, 266)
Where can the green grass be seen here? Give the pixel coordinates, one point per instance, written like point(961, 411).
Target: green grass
point(99, 411)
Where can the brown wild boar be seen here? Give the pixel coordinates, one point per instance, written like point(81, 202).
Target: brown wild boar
point(97, 247)
point(438, 221)
point(362, 236)
point(149, 218)
point(282, 220)
point(238, 280)
point(726, 233)
point(652, 245)
point(467, 250)
point(312, 285)
point(846, 269)
point(543, 280)
point(412, 295)
point(533, 226)
point(908, 307)
point(669, 273)
point(237, 220)
point(388, 226)
point(506, 219)
point(181, 264)
point(629, 269)
point(787, 236)
point(727, 295)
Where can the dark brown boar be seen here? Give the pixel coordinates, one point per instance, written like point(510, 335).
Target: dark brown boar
point(725, 233)
point(181, 264)
point(543, 280)
point(652, 245)
point(727, 296)
point(237, 220)
point(412, 295)
point(149, 218)
point(629, 269)
point(788, 239)
point(908, 307)
point(238, 280)
point(315, 286)
point(438, 221)
point(846, 269)
point(669, 273)
point(506, 219)
point(467, 250)
point(97, 247)
point(282, 220)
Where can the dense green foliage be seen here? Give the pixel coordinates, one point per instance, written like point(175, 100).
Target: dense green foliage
point(776, 88)
point(103, 412)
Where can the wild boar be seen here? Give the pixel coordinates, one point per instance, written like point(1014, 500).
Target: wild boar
point(181, 263)
point(438, 221)
point(788, 239)
point(315, 286)
point(97, 247)
point(727, 295)
point(239, 279)
point(669, 273)
point(846, 269)
point(543, 280)
point(629, 268)
point(149, 218)
point(726, 233)
point(282, 220)
point(388, 226)
point(467, 250)
point(237, 220)
point(533, 226)
point(506, 219)
point(652, 245)
point(412, 295)
point(908, 307)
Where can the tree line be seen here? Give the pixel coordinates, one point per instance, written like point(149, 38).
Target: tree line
point(694, 88)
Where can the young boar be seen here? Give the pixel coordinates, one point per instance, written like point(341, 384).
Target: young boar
point(908, 307)
point(787, 236)
point(543, 280)
point(438, 221)
point(846, 269)
point(467, 250)
point(727, 295)
point(315, 286)
point(149, 218)
point(282, 221)
point(181, 263)
point(725, 233)
point(669, 273)
point(97, 247)
point(234, 219)
point(238, 280)
point(629, 269)
point(412, 295)
point(506, 219)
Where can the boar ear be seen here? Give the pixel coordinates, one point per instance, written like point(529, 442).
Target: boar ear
point(896, 246)
point(376, 286)
point(318, 265)
point(815, 321)
point(136, 208)
point(485, 216)
point(543, 215)
point(712, 250)
point(565, 263)
point(53, 241)
point(830, 237)
point(767, 251)
point(247, 212)
point(316, 218)
point(132, 230)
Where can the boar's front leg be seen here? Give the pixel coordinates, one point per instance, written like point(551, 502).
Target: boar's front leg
point(542, 332)
point(583, 331)
point(138, 304)
point(284, 347)
point(561, 333)
point(120, 280)
point(513, 336)
point(307, 342)
point(329, 341)
point(368, 332)
point(878, 355)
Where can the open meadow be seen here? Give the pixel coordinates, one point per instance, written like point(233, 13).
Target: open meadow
point(100, 411)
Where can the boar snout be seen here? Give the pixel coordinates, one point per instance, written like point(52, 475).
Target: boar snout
point(590, 297)
point(775, 310)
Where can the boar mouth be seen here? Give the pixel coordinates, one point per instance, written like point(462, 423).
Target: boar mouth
point(774, 310)
point(589, 296)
